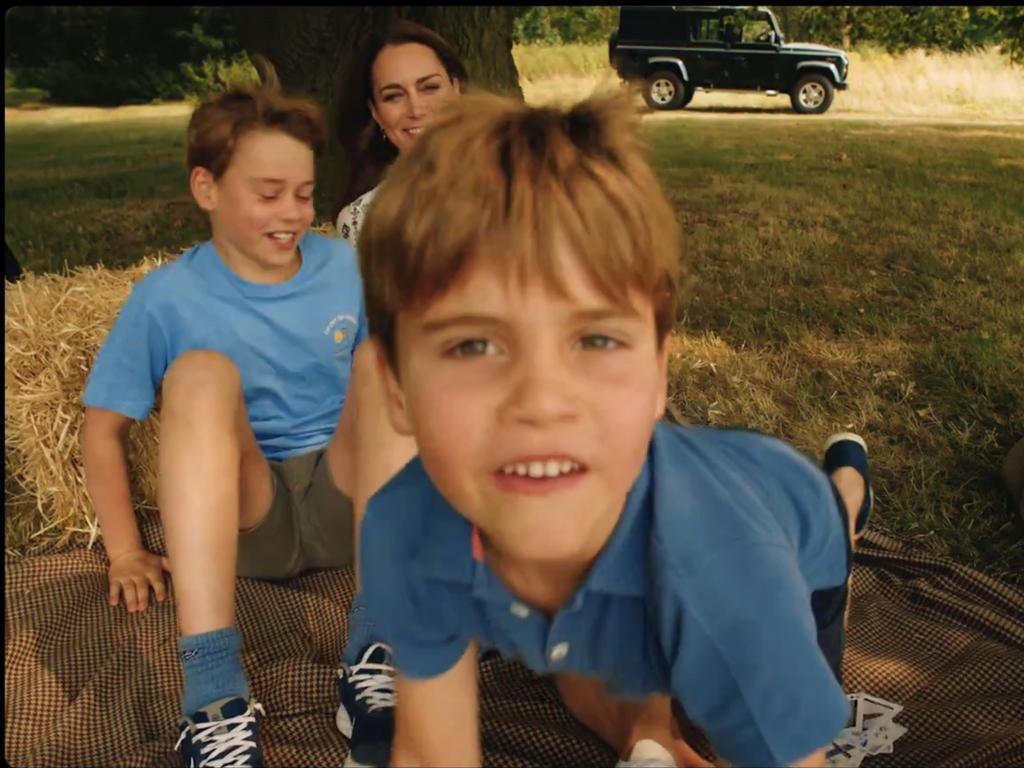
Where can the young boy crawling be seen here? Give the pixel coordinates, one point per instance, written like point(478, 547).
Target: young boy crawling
point(520, 268)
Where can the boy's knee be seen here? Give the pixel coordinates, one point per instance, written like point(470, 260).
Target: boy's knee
point(200, 378)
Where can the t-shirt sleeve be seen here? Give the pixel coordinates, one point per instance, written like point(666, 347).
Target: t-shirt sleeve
point(418, 617)
point(132, 361)
point(747, 666)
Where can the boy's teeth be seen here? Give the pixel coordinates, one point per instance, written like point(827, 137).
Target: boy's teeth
point(539, 469)
point(282, 236)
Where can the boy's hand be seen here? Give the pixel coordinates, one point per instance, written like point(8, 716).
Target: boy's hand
point(132, 573)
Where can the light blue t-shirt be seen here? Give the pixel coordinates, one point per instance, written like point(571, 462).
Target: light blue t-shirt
point(703, 591)
point(292, 342)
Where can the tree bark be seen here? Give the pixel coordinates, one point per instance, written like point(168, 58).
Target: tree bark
point(315, 51)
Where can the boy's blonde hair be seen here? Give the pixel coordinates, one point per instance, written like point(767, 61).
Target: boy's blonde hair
point(499, 181)
point(221, 120)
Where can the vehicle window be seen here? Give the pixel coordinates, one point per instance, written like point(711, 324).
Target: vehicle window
point(650, 24)
point(706, 30)
point(757, 31)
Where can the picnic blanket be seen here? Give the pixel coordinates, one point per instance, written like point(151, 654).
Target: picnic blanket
point(89, 685)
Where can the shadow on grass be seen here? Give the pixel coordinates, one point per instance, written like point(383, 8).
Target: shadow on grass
point(719, 110)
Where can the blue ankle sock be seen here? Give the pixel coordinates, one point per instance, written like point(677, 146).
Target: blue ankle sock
point(360, 632)
point(212, 662)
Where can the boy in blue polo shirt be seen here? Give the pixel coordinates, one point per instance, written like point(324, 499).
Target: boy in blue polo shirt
point(249, 338)
point(520, 265)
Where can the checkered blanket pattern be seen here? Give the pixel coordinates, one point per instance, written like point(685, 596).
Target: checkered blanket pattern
point(88, 685)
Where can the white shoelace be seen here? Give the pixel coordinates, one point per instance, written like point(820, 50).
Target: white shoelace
point(229, 739)
point(374, 683)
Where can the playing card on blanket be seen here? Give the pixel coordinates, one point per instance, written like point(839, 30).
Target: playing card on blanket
point(881, 737)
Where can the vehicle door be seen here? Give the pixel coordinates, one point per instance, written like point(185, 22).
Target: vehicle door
point(705, 51)
point(754, 51)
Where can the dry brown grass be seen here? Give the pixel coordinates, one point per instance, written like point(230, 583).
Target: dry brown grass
point(978, 85)
point(53, 327)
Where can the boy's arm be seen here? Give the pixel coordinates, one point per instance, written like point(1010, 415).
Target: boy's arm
point(813, 760)
point(105, 457)
point(437, 719)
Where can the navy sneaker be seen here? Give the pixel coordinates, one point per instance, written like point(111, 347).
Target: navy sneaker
point(222, 734)
point(366, 715)
point(846, 449)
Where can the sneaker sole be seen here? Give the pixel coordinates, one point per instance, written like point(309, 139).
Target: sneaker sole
point(838, 437)
point(351, 762)
point(343, 722)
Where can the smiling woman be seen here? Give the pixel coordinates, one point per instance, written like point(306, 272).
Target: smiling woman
point(407, 74)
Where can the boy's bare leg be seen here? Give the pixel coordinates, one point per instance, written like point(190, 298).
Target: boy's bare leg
point(365, 451)
point(850, 484)
point(621, 723)
point(213, 480)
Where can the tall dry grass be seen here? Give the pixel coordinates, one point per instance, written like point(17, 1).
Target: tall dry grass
point(976, 85)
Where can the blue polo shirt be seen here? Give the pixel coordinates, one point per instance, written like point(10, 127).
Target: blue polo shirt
point(702, 591)
point(292, 342)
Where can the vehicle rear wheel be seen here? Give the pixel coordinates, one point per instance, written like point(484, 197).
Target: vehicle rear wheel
point(812, 94)
point(664, 89)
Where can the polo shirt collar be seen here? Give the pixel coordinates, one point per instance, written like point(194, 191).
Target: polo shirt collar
point(621, 567)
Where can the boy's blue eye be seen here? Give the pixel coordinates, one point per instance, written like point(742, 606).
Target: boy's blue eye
point(268, 197)
point(598, 341)
point(472, 348)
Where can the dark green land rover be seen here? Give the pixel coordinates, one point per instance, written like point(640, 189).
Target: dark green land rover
point(678, 49)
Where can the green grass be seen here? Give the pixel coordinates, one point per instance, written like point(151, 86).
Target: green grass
point(100, 192)
point(844, 275)
point(865, 278)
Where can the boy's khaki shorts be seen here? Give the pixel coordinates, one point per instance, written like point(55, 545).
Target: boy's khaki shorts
point(309, 524)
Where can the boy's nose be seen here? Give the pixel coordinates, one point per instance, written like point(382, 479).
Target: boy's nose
point(542, 391)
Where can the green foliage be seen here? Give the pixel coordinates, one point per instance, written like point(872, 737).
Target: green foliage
point(119, 55)
point(554, 24)
point(16, 97)
point(1010, 27)
point(901, 27)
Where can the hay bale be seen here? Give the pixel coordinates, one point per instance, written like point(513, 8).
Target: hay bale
point(54, 325)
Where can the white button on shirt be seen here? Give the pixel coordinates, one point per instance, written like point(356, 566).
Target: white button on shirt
point(559, 652)
point(519, 610)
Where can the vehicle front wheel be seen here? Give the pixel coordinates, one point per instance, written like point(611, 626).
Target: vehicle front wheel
point(666, 90)
point(812, 94)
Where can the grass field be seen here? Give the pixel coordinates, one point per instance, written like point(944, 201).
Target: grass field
point(844, 275)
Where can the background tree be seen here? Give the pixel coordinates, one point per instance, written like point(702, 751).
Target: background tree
point(117, 55)
point(315, 51)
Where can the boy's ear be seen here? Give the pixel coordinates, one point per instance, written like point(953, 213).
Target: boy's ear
point(662, 379)
point(397, 413)
point(203, 187)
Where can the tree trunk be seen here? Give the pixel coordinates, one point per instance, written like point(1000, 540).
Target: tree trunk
point(315, 51)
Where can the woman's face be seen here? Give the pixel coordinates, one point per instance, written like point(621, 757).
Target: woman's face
point(410, 84)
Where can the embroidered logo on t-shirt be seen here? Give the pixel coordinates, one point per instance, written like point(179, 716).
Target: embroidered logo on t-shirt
point(340, 330)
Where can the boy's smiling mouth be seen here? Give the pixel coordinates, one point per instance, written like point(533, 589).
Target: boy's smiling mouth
point(282, 238)
point(540, 474)
point(541, 468)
